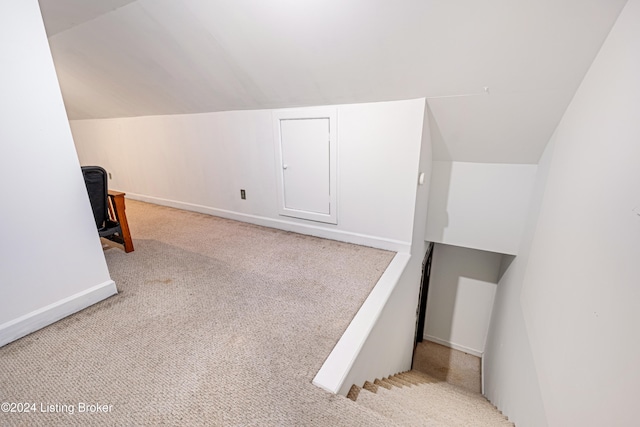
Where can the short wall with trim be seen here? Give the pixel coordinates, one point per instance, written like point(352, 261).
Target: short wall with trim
point(202, 161)
point(51, 262)
point(341, 370)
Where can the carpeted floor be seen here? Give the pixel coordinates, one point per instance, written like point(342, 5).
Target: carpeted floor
point(216, 323)
point(449, 365)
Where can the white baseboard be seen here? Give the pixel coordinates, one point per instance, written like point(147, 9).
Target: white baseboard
point(38, 319)
point(310, 229)
point(453, 345)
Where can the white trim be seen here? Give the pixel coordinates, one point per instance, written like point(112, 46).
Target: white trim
point(453, 345)
point(310, 229)
point(482, 373)
point(38, 319)
point(329, 113)
point(335, 369)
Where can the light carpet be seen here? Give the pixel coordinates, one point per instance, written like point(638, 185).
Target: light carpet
point(217, 323)
point(416, 399)
point(449, 365)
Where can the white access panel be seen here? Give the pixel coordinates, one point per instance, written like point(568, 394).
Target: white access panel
point(305, 143)
point(305, 158)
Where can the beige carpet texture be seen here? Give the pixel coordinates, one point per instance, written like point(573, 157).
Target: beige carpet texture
point(217, 323)
point(448, 365)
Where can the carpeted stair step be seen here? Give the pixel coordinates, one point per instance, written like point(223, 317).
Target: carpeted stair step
point(454, 389)
point(443, 410)
point(410, 378)
point(383, 404)
point(383, 384)
point(419, 410)
point(395, 382)
point(455, 394)
point(353, 393)
point(422, 400)
point(370, 387)
point(400, 380)
point(437, 401)
point(417, 377)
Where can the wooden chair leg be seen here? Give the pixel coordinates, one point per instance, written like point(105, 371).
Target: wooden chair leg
point(117, 199)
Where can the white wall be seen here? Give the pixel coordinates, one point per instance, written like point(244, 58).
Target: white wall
point(479, 205)
point(386, 348)
point(563, 347)
point(201, 162)
point(51, 261)
point(509, 372)
point(461, 292)
point(363, 351)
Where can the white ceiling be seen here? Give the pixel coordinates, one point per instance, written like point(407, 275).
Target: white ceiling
point(61, 15)
point(118, 58)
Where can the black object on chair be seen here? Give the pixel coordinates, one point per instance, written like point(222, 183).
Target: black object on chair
point(95, 179)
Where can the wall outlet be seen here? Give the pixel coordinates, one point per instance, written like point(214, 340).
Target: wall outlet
point(243, 195)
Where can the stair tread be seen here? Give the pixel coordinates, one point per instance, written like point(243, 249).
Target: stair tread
point(373, 388)
point(432, 400)
point(411, 411)
point(397, 413)
point(395, 382)
point(383, 384)
point(398, 378)
point(353, 393)
point(410, 379)
point(435, 397)
point(429, 402)
point(428, 378)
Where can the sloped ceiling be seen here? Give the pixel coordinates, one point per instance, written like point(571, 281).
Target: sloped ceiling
point(120, 58)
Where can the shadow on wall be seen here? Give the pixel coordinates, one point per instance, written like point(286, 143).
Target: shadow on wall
point(438, 216)
point(505, 263)
point(462, 288)
point(440, 149)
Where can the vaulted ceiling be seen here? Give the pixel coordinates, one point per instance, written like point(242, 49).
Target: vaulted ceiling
point(121, 58)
